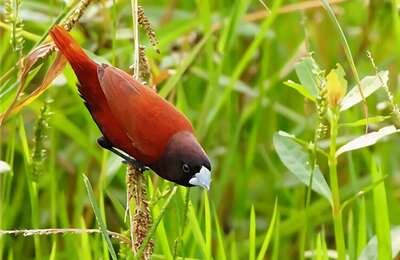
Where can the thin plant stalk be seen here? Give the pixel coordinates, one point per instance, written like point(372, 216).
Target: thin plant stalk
point(134, 5)
point(308, 199)
point(139, 216)
point(349, 58)
point(63, 231)
point(139, 212)
point(332, 162)
point(32, 187)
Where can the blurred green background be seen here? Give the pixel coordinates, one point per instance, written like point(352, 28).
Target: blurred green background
point(223, 63)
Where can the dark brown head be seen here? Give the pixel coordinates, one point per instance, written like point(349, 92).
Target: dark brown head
point(184, 162)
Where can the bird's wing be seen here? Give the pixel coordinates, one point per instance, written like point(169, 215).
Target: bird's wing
point(148, 119)
point(90, 89)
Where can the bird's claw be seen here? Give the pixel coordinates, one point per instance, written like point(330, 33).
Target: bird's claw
point(138, 165)
point(106, 144)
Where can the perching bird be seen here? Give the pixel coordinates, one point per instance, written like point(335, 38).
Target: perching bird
point(136, 123)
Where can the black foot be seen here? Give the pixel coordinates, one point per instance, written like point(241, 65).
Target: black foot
point(103, 142)
point(106, 144)
point(137, 164)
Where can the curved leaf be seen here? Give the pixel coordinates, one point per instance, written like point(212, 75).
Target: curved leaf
point(369, 85)
point(367, 139)
point(305, 72)
point(301, 89)
point(296, 159)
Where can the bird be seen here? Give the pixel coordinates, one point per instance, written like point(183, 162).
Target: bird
point(136, 123)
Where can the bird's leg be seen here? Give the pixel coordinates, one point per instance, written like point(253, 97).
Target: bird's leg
point(106, 144)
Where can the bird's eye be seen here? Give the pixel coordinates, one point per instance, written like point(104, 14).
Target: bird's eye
point(185, 168)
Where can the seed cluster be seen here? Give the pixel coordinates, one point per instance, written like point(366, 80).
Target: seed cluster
point(13, 18)
point(75, 15)
point(146, 25)
point(322, 104)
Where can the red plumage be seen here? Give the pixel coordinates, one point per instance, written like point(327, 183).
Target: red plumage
point(133, 117)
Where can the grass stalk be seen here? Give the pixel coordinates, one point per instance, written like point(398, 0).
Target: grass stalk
point(63, 231)
point(134, 6)
point(396, 24)
point(32, 187)
point(139, 212)
point(100, 188)
point(349, 57)
point(147, 240)
point(179, 241)
point(99, 217)
point(334, 185)
point(381, 215)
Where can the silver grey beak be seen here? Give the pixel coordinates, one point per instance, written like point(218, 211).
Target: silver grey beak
point(202, 178)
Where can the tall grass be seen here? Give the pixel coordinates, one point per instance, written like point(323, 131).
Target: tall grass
point(226, 65)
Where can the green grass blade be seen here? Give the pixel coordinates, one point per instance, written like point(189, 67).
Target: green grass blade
point(163, 239)
point(351, 247)
point(153, 228)
point(195, 226)
point(99, 218)
point(347, 51)
point(276, 245)
point(162, 235)
point(252, 234)
point(220, 238)
point(171, 83)
point(53, 254)
point(85, 244)
point(361, 227)
point(230, 30)
point(268, 235)
point(318, 247)
point(381, 214)
point(233, 248)
point(244, 62)
point(207, 220)
point(32, 186)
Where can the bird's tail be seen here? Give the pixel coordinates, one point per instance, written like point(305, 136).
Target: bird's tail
point(75, 55)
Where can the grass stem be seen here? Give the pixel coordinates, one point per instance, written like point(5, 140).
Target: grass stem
point(134, 6)
point(336, 212)
point(349, 57)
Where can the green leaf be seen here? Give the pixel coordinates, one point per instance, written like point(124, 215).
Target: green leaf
point(156, 222)
point(243, 62)
point(268, 235)
point(197, 233)
point(252, 234)
point(369, 85)
point(230, 30)
point(362, 122)
point(207, 220)
point(220, 238)
point(381, 214)
point(305, 71)
point(362, 226)
point(162, 237)
point(362, 192)
point(321, 252)
point(296, 159)
point(367, 139)
point(301, 89)
point(99, 217)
